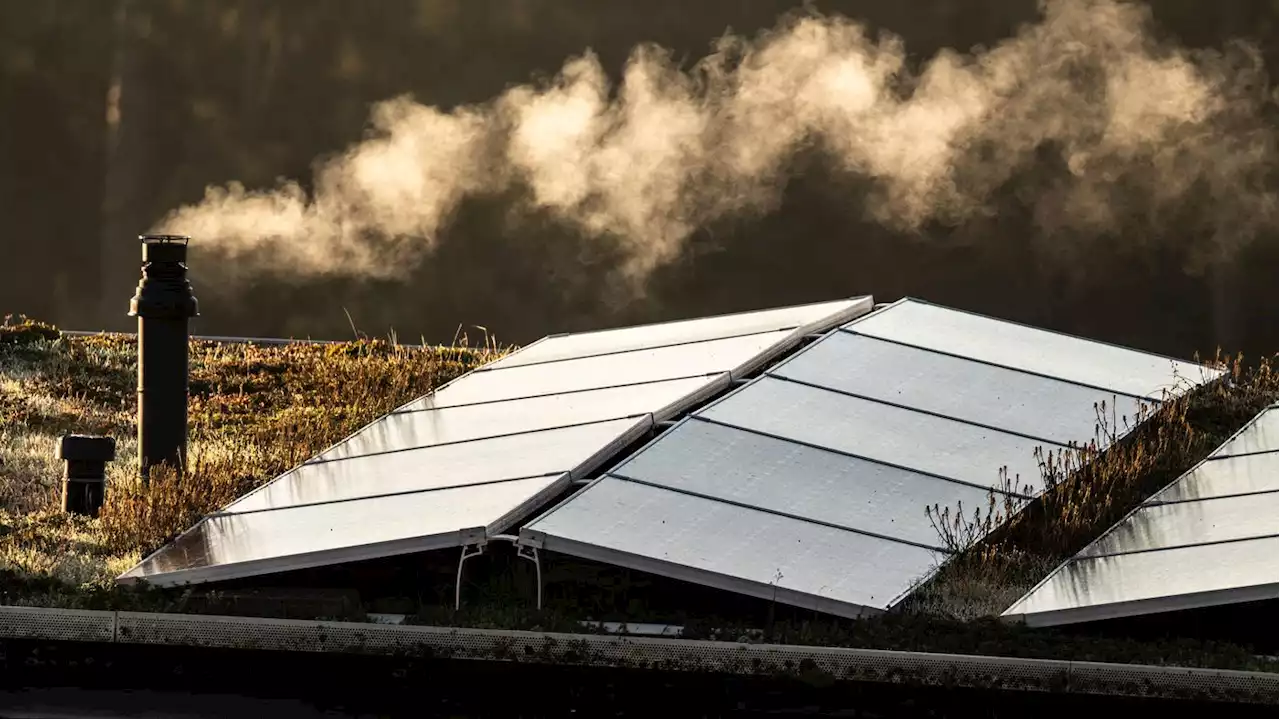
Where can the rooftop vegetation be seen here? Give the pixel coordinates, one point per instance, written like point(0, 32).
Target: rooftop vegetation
point(255, 411)
point(1087, 490)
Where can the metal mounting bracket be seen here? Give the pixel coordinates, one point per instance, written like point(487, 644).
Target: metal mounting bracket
point(468, 551)
point(531, 553)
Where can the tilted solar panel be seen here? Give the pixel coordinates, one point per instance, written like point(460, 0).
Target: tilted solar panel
point(481, 453)
point(810, 483)
point(1051, 354)
point(806, 318)
point(1208, 539)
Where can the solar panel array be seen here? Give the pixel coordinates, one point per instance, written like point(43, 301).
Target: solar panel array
point(478, 455)
point(1209, 538)
point(809, 484)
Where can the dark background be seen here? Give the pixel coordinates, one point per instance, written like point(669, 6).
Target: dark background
point(252, 90)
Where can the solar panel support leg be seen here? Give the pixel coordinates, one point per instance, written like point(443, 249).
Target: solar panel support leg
point(468, 551)
point(531, 553)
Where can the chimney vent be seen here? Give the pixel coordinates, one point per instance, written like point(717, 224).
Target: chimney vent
point(84, 479)
point(164, 305)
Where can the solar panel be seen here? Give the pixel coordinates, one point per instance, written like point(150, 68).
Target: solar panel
point(1111, 368)
point(1220, 478)
point(752, 552)
point(458, 423)
point(737, 466)
point(551, 451)
point(530, 380)
point(1183, 524)
point(484, 451)
point(1209, 538)
point(979, 393)
point(254, 543)
point(1262, 435)
point(844, 445)
point(1151, 582)
point(662, 334)
point(883, 433)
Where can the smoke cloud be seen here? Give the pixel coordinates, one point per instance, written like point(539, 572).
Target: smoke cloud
point(1145, 129)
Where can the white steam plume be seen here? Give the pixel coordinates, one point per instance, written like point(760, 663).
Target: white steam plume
point(1142, 127)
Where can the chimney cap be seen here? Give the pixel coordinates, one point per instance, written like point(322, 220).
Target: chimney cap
point(165, 249)
point(164, 239)
point(86, 447)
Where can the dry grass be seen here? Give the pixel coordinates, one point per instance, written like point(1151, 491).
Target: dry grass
point(1087, 489)
point(254, 412)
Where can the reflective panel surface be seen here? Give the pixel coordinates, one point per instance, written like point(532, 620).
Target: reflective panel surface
point(667, 333)
point(287, 534)
point(532, 380)
point(1200, 522)
point(738, 466)
point(746, 545)
point(1213, 530)
point(880, 432)
point(1011, 345)
point(552, 451)
point(1262, 435)
point(1154, 575)
point(404, 430)
point(857, 434)
point(958, 388)
point(548, 414)
point(1218, 477)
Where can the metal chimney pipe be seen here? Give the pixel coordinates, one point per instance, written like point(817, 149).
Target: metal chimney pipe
point(164, 304)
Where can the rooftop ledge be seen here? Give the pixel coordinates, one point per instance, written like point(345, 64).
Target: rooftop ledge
point(835, 663)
